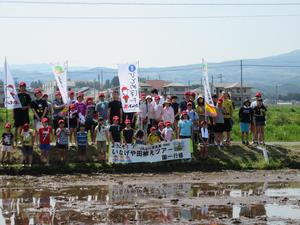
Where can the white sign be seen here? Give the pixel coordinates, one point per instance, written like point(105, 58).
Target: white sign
point(12, 100)
point(163, 151)
point(129, 87)
point(60, 73)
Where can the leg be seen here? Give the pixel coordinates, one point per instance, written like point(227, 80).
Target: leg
point(8, 157)
point(262, 130)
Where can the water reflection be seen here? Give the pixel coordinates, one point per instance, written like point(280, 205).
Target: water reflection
point(138, 204)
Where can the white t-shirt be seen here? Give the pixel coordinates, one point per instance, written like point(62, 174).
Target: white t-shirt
point(204, 132)
point(100, 135)
point(168, 133)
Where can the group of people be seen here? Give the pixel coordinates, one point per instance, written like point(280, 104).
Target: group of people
point(85, 120)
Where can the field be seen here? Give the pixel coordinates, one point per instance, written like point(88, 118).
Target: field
point(283, 123)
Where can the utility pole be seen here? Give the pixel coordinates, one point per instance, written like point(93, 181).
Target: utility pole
point(241, 82)
point(102, 83)
point(212, 84)
point(276, 91)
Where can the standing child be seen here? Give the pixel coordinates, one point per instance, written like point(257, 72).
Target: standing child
point(185, 126)
point(73, 123)
point(127, 133)
point(153, 137)
point(139, 137)
point(159, 131)
point(102, 136)
point(46, 136)
point(219, 124)
point(89, 117)
point(260, 120)
point(115, 131)
point(62, 140)
point(167, 132)
point(82, 142)
point(204, 139)
point(7, 143)
point(245, 116)
point(27, 136)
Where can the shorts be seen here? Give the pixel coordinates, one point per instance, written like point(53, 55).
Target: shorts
point(227, 124)
point(244, 127)
point(6, 148)
point(37, 124)
point(45, 147)
point(72, 124)
point(89, 123)
point(184, 137)
point(61, 146)
point(204, 139)
point(101, 145)
point(21, 118)
point(81, 149)
point(27, 150)
point(260, 123)
point(219, 128)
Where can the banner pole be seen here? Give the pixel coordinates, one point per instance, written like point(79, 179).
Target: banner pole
point(140, 118)
point(5, 83)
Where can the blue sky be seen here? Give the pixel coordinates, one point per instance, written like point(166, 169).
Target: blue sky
point(153, 43)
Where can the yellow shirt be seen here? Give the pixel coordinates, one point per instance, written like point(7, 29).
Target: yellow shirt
point(228, 108)
point(153, 138)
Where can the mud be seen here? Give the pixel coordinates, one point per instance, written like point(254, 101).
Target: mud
point(253, 197)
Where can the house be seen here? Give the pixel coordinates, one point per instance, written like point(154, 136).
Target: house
point(177, 89)
point(237, 94)
point(157, 84)
point(51, 87)
point(145, 88)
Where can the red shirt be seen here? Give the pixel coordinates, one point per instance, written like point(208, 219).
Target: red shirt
point(44, 133)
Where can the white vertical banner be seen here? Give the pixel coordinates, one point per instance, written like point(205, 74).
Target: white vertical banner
point(210, 109)
point(12, 100)
point(60, 73)
point(129, 87)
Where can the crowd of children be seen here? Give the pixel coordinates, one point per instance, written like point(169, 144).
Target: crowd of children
point(81, 122)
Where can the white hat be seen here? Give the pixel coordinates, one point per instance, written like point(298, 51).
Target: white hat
point(148, 96)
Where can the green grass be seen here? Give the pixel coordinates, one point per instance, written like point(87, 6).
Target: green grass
point(283, 123)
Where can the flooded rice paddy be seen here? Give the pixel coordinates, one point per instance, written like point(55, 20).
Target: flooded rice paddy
point(154, 199)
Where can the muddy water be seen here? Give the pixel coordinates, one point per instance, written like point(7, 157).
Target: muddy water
point(29, 202)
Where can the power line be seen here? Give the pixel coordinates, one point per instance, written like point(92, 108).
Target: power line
point(149, 3)
point(144, 17)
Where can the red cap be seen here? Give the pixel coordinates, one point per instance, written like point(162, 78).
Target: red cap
point(115, 118)
point(58, 93)
point(124, 88)
point(156, 97)
point(26, 126)
point(190, 103)
point(168, 123)
point(153, 129)
point(45, 95)
point(45, 120)
point(80, 94)
point(203, 122)
point(187, 93)
point(258, 94)
point(37, 91)
point(193, 94)
point(61, 121)
point(184, 112)
point(127, 121)
point(220, 100)
point(71, 92)
point(7, 125)
point(101, 94)
point(160, 124)
point(143, 95)
point(72, 106)
point(22, 84)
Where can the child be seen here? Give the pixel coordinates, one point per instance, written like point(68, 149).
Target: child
point(82, 142)
point(27, 136)
point(7, 143)
point(245, 116)
point(153, 137)
point(167, 132)
point(127, 133)
point(46, 136)
point(139, 137)
point(160, 129)
point(195, 121)
point(62, 140)
point(101, 134)
point(185, 126)
point(73, 122)
point(89, 117)
point(219, 124)
point(115, 131)
point(260, 120)
point(204, 139)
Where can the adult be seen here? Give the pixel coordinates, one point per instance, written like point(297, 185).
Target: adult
point(158, 110)
point(50, 108)
point(150, 113)
point(168, 112)
point(102, 107)
point(21, 115)
point(175, 106)
point(195, 121)
point(219, 123)
point(200, 108)
point(115, 108)
point(59, 112)
point(228, 116)
point(39, 108)
point(154, 93)
point(183, 104)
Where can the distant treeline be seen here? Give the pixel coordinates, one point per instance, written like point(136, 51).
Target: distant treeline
point(290, 97)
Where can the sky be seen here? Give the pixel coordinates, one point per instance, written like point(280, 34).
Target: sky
point(151, 42)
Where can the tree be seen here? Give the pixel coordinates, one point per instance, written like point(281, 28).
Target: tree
point(36, 84)
point(115, 82)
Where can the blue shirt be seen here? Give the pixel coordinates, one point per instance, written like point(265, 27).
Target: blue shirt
point(82, 138)
point(185, 127)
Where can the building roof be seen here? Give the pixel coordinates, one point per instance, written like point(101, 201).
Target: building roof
point(175, 85)
point(144, 84)
point(157, 84)
point(230, 85)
